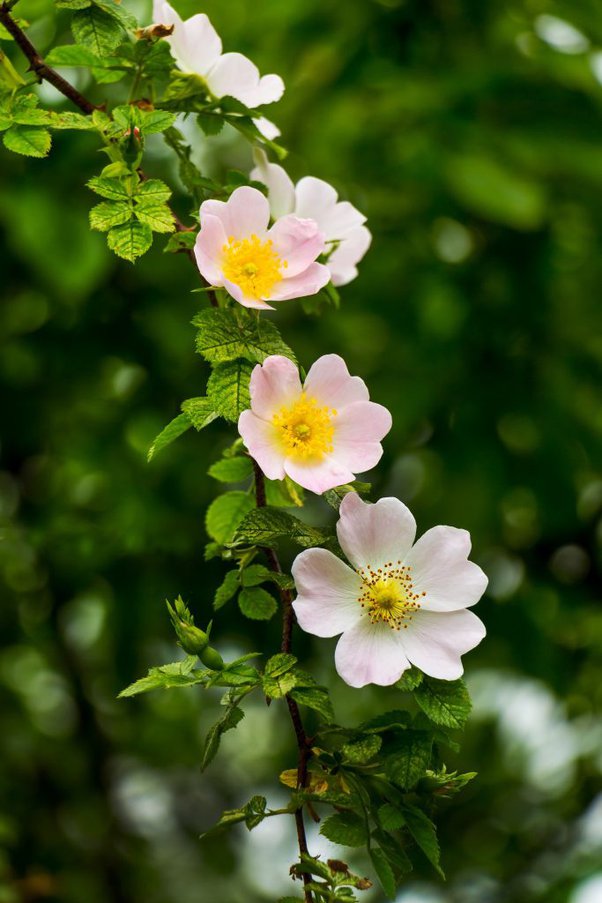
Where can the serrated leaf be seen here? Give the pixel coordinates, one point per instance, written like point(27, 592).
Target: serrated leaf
point(335, 496)
point(108, 214)
point(73, 4)
point(279, 664)
point(255, 574)
point(279, 677)
point(361, 751)
point(407, 757)
point(131, 240)
point(345, 828)
point(97, 30)
point(227, 589)
point(28, 141)
point(256, 603)
point(409, 680)
point(152, 191)
point(225, 335)
point(424, 833)
point(384, 872)
point(169, 434)
point(232, 717)
point(180, 241)
point(252, 814)
point(112, 189)
point(199, 411)
point(390, 818)
point(118, 11)
point(154, 121)
point(445, 702)
point(106, 70)
point(158, 216)
point(225, 514)
point(388, 721)
point(228, 388)
point(69, 120)
point(211, 123)
point(177, 674)
point(231, 470)
point(315, 698)
point(284, 493)
point(264, 526)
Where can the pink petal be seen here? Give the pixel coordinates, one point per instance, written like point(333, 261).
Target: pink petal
point(246, 300)
point(441, 569)
point(309, 282)
point(434, 641)
point(296, 241)
point(342, 262)
point(258, 437)
point(328, 592)
point(208, 249)
point(318, 476)
point(281, 191)
point(220, 210)
point(329, 381)
point(370, 654)
point(249, 212)
point(274, 384)
point(358, 430)
point(374, 534)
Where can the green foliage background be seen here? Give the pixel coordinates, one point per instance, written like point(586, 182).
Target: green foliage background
point(469, 132)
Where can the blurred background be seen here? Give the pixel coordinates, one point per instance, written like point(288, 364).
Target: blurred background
point(469, 133)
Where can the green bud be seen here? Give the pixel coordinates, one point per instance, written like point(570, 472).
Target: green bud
point(211, 659)
point(192, 639)
point(132, 146)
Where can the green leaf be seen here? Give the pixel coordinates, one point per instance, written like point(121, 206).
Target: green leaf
point(97, 30)
point(264, 526)
point(154, 121)
point(26, 111)
point(390, 818)
point(424, 833)
point(284, 493)
point(315, 698)
point(108, 214)
point(69, 120)
point(409, 680)
point(131, 240)
point(228, 388)
point(158, 216)
point(199, 411)
point(384, 872)
point(335, 496)
point(106, 70)
point(73, 4)
point(227, 589)
point(112, 189)
point(231, 470)
point(407, 757)
point(361, 751)
point(256, 603)
point(117, 10)
point(255, 574)
point(225, 514)
point(211, 123)
point(152, 192)
point(232, 717)
point(389, 721)
point(225, 335)
point(180, 241)
point(169, 434)
point(279, 677)
point(445, 702)
point(28, 140)
point(251, 814)
point(178, 674)
point(345, 828)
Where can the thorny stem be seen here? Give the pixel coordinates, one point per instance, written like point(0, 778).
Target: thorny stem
point(46, 73)
point(303, 743)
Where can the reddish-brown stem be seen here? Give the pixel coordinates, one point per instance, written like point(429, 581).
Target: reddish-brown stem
point(37, 64)
point(288, 619)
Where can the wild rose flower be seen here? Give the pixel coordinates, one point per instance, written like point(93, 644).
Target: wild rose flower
point(320, 434)
point(197, 49)
point(398, 603)
point(347, 239)
point(236, 249)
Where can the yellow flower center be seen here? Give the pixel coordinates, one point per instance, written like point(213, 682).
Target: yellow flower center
point(388, 594)
point(253, 265)
point(305, 430)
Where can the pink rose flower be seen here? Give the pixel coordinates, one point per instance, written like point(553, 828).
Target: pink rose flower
point(320, 434)
point(397, 603)
point(236, 250)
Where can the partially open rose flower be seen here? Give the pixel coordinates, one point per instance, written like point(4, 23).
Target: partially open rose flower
point(235, 249)
point(197, 49)
point(347, 238)
point(321, 433)
point(397, 603)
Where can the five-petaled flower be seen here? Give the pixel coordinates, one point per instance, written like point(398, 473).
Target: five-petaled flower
point(320, 434)
point(398, 603)
point(197, 49)
point(347, 238)
point(235, 249)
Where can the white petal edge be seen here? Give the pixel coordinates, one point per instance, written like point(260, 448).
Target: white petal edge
point(435, 641)
point(374, 534)
point(440, 569)
point(370, 654)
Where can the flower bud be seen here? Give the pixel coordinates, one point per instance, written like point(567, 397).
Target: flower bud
point(192, 639)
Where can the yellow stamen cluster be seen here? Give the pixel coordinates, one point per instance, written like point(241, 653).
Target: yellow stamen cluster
point(389, 595)
point(305, 430)
point(253, 265)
